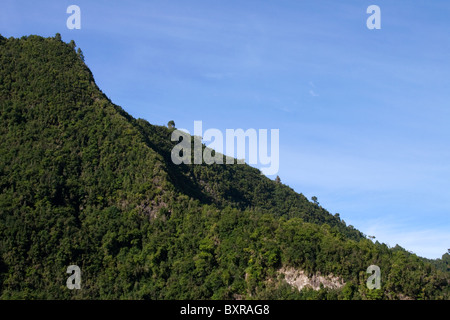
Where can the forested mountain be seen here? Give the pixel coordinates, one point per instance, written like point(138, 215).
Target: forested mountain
point(84, 183)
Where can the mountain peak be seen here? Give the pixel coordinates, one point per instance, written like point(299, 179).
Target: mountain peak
point(84, 183)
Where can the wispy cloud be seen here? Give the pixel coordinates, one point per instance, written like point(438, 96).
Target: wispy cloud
point(285, 109)
point(218, 75)
point(376, 140)
point(312, 93)
point(312, 89)
point(430, 242)
point(405, 186)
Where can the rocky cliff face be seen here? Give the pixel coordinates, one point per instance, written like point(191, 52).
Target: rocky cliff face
point(299, 279)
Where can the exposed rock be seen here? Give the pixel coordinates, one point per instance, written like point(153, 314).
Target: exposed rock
point(299, 279)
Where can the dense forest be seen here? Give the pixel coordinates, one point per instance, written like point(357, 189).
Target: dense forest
point(84, 183)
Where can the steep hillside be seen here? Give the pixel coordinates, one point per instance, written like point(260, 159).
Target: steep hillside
point(84, 183)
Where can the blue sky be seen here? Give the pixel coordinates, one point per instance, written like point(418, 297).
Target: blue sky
point(363, 114)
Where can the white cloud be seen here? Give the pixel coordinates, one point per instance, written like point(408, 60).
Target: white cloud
point(312, 93)
point(430, 242)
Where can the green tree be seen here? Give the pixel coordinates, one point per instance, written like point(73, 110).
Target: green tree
point(80, 54)
point(83, 182)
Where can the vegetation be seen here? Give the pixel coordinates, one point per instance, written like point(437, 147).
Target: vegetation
point(84, 183)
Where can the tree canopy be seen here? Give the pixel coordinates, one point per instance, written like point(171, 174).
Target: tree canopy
point(84, 183)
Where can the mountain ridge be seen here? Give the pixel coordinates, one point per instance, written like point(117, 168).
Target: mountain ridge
point(85, 183)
